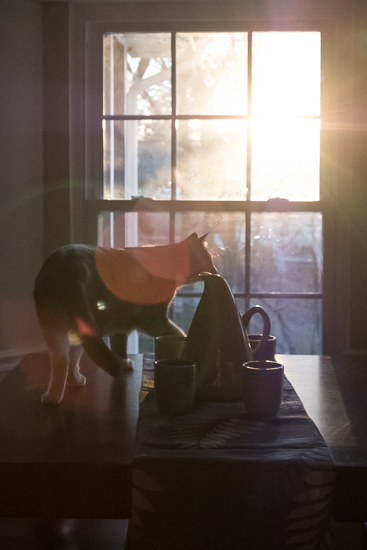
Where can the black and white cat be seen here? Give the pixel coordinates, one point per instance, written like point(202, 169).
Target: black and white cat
point(83, 293)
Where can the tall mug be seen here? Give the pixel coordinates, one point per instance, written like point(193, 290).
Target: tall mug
point(262, 387)
point(174, 385)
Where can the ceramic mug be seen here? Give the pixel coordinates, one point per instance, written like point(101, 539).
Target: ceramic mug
point(174, 385)
point(170, 346)
point(262, 387)
point(267, 351)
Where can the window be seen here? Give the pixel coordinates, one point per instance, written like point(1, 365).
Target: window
point(219, 132)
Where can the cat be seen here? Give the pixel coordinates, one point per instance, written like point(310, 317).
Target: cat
point(83, 293)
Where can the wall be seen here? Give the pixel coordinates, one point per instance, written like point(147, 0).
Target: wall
point(21, 226)
point(358, 274)
point(56, 127)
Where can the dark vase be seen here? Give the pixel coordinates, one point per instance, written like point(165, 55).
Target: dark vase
point(217, 342)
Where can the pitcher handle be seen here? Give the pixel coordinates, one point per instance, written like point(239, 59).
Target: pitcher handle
point(246, 317)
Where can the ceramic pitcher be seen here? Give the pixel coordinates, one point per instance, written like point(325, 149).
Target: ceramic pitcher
point(218, 342)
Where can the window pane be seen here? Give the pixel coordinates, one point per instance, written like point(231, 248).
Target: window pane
point(286, 70)
point(137, 74)
point(113, 160)
point(183, 310)
point(137, 159)
point(212, 73)
point(296, 324)
point(285, 159)
point(120, 230)
point(211, 159)
point(210, 162)
point(286, 252)
point(226, 241)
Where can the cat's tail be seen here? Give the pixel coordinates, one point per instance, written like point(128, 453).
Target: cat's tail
point(101, 354)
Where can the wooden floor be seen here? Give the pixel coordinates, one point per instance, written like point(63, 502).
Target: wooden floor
point(24, 534)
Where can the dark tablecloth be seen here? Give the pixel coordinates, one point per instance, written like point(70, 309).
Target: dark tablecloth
point(216, 479)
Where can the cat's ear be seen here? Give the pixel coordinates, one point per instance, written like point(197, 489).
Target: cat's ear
point(195, 237)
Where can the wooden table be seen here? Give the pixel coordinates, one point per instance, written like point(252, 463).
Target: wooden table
point(71, 460)
point(75, 460)
point(334, 394)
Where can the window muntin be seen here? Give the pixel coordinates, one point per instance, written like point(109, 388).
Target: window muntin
point(169, 139)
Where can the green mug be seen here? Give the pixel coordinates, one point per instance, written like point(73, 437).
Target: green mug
point(170, 346)
point(174, 385)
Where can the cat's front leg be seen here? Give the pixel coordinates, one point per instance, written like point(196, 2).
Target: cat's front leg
point(75, 377)
point(58, 346)
point(119, 348)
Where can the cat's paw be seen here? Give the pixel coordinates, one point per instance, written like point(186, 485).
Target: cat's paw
point(49, 399)
point(77, 380)
point(127, 364)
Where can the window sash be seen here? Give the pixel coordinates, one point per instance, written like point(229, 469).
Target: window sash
point(171, 207)
point(175, 117)
point(94, 108)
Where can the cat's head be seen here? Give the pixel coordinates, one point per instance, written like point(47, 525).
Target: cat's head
point(200, 258)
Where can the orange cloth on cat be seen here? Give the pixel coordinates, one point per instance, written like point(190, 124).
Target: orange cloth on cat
point(144, 275)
